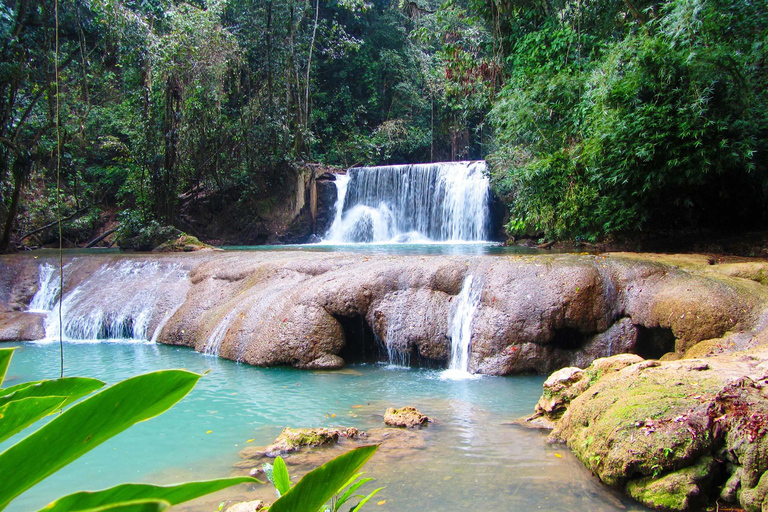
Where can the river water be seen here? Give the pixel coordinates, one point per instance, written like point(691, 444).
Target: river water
point(473, 457)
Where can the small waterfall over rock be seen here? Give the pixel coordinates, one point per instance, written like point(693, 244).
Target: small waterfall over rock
point(461, 329)
point(398, 353)
point(413, 203)
point(119, 301)
point(47, 289)
point(213, 343)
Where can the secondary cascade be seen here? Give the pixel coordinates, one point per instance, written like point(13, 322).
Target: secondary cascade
point(116, 302)
point(461, 329)
point(415, 203)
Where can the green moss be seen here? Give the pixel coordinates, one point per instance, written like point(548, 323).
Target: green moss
point(673, 491)
point(297, 438)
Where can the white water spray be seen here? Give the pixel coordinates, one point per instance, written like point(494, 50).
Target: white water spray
point(461, 329)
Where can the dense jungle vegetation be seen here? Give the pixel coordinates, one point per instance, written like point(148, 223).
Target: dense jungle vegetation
point(597, 117)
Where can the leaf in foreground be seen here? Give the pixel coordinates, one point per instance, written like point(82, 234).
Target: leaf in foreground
point(17, 415)
point(88, 424)
point(173, 494)
point(5, 360)
point(71, 388)
point(321, 484)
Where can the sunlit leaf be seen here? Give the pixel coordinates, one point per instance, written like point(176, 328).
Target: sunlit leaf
point(88, 424)
point(173, 494)
point(321, 484)
point(71, 388)
point(5, 360)
point(17, 415)
point(280, 476)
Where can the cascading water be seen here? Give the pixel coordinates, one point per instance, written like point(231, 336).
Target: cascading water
point(120, 300)
point(396, 356)
point(213, 343)
point(412, 203)
point(47, 289)
point(461, 329)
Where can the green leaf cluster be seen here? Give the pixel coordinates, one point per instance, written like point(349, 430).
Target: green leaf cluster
point(646, 117)
point(336, 482)
point(83, 426)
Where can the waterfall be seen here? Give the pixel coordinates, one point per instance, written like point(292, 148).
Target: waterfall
point(397, 357)
point(461, 329)
point(213, 343)
point(47, 289)
point(119, 301)
point(412, 203)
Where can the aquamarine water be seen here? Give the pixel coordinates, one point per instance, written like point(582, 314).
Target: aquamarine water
point(474, 459)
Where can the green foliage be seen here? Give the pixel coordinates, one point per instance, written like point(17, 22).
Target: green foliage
point(337, 481)
point(657, 124)
point(136, 234)
point(84, 426)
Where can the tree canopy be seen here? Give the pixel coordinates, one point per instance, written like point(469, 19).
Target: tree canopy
point(596, 117)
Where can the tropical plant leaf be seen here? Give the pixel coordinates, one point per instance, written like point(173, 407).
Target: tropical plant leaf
point(5, 360)
point(173, 494)
point(319, 485)
point(17, 415)
point(280, 476)
point(134, 506)
point(71, 388)
point(348, 494)
point(365, 500)
point(87, 425)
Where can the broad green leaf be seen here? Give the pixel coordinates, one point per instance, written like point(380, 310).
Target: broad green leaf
point(17, 415)
point(280, 475)
point(173, 494)
point(71, 388)
point(319, 485)
point(134, 506)
point(88, 424)
point(348, 494)
point(365, 500)
point(13, 389)
point(5, 360)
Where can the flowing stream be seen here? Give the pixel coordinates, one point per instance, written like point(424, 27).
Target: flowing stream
point(412, 203)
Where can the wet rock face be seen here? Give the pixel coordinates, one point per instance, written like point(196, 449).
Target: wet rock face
point(675, 435)
point(323, 310)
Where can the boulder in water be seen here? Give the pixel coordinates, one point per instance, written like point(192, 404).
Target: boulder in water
point(246, 506)
point(407, 417)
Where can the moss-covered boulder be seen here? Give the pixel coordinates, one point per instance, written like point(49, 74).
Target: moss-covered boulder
point(184, 243)
point(676, 491)
point(674, 435)
point(406, 417)
point(291, 440)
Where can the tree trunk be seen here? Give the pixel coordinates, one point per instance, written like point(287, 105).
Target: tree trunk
point(9, 221)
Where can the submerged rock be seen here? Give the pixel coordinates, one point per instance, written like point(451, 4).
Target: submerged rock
point(246, 506)
point(406, 417)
